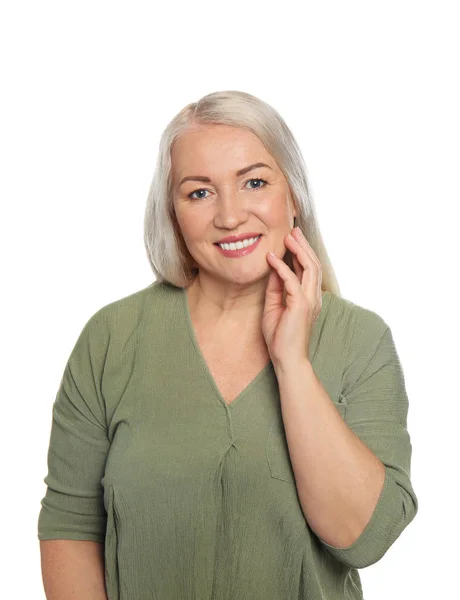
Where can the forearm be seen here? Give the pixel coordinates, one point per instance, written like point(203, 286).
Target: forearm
point(73, 570)
point(339, 479)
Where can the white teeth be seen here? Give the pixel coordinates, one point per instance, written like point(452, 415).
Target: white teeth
point(240, 244)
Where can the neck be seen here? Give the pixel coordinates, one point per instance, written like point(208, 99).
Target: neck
point(227, 307)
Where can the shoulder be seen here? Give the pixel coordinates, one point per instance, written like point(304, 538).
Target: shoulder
point(125, 308)
point(358, 330)
point(116, 323)
point(358, 323)
point(100, 362)
point(126, 312)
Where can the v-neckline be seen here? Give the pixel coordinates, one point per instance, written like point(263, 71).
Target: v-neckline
point(251, 385)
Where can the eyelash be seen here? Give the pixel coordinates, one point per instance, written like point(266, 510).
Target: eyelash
point(247, 181)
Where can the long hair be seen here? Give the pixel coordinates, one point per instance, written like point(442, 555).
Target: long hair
point(169, 258)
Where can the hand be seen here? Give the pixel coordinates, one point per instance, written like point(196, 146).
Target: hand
point(287, 329)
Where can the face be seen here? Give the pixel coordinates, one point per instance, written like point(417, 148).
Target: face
point(258, 201)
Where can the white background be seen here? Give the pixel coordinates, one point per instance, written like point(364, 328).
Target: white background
point(370, 90)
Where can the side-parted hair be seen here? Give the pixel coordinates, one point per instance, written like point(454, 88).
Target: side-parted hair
point(167, 253)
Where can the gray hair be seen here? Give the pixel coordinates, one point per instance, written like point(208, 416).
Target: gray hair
point(167, 253)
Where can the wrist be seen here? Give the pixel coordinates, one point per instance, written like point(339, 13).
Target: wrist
point(292, 368)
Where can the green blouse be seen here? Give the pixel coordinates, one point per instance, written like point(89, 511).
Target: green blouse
point(195, 499)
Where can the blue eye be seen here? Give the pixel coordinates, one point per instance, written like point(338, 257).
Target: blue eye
point(257, 179)
point(194, 192)
point(204, 190)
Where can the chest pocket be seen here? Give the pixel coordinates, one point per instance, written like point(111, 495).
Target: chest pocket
point(277, 450)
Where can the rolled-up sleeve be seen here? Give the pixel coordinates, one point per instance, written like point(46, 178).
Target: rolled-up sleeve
point(73, 506)
point(376, 411)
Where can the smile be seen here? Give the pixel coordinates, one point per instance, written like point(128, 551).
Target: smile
point(240, 248)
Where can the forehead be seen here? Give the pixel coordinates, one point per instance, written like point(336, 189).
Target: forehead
point(219, 148)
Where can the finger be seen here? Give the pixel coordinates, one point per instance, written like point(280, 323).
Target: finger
point(297, 267)
point(274, 291)
point(309, 277)
point(301, 239)
point(291, 283)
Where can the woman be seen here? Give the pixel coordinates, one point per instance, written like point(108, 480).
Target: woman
point(235, 430)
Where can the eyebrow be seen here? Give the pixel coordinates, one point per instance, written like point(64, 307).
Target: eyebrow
point(238, 173)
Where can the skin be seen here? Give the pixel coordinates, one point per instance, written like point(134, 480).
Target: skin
point(338, 478)
point(229, 293)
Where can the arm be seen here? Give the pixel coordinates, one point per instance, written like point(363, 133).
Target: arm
point(72, 520)
point(73, 570)
point(353, 477)
point(338, 478)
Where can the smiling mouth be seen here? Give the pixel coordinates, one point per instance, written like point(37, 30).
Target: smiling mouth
point(237, 252)
point(240, 243)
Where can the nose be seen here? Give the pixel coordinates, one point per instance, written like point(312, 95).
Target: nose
point(231, 209)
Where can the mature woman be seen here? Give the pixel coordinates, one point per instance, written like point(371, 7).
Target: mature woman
point(235, 430)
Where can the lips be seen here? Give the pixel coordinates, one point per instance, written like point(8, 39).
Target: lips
point(241, 251)
point(238, 238)
point(256, 237)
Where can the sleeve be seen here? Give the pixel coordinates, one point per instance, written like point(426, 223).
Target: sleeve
point(73, 506)
point(376, 411)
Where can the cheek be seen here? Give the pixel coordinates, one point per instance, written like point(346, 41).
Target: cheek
point(190, 225)
point(273, 209)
